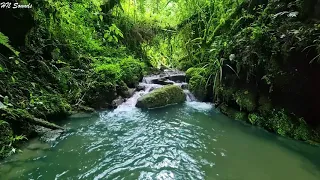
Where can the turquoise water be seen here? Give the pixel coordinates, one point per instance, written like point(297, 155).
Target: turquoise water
point(189, 141)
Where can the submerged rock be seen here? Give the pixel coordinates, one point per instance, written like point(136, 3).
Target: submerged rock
point(166, 95)
point(48, 135)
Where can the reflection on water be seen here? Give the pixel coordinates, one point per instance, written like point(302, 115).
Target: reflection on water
point(190, 141)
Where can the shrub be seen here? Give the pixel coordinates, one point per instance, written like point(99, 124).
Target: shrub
point(108, 72)
point(132, 71)
point(195, 71)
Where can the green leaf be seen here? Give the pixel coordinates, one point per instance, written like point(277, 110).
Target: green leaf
point(110, 39)
point(101, 17)
point(13, 79)
point(2, 149)
point(2, 106)
point(4, 40)
point(106, 35)
point(119, 33)
point(1, 69)
point(16, 61)
point(6, 100)
point(2, 122)
point(19, 138)
point(115, 38)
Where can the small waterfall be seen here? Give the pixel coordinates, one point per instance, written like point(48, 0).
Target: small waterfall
point(190, 96)
point(147, 86)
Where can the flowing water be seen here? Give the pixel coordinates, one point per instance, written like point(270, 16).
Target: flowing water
point(187, 141)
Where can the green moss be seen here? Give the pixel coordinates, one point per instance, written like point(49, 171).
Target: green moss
point(302, 131)
point(108, 72)
point(246, 99)
point(100, 94)
point(197, 85)
point(121, 88)
point(233, 113)
point(185, 65)
point(241, 116)
point(226, 93)
point(194, 72)
point(265, 105)
point(166, 95)
point(132, 71)
point(6, 134)
point(281, 123)
point(256, 119)
point(49, 105)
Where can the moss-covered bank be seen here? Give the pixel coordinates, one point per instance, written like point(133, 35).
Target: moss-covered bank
point(260, 64)
point(58, 58)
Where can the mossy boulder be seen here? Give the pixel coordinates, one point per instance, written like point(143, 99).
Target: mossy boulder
point(166, 95)
point(100, 95)
point(197, 86)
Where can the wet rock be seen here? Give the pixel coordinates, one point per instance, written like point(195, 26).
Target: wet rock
point(129, 93)
point(164, 76)
point(140, 87)
point(166, 95)
point(153, 88)
point(184, 85)
point(162, 81)
point(178, 77)
point(117, 102)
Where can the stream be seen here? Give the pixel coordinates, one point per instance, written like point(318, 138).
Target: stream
point(187, 141)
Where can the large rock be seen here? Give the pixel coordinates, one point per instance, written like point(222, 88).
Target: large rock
point(162, 81)
point(166, 95)
point(178, 77)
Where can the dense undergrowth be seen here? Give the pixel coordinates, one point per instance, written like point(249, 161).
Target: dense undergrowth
point(56, 58)
point(258, 60)
point(261, 64)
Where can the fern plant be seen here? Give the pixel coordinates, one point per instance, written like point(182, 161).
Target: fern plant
point(4, 40)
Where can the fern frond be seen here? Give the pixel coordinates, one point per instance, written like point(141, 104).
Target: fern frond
point(4, 40)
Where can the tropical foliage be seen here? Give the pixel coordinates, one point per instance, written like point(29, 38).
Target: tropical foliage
point(248, 56)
